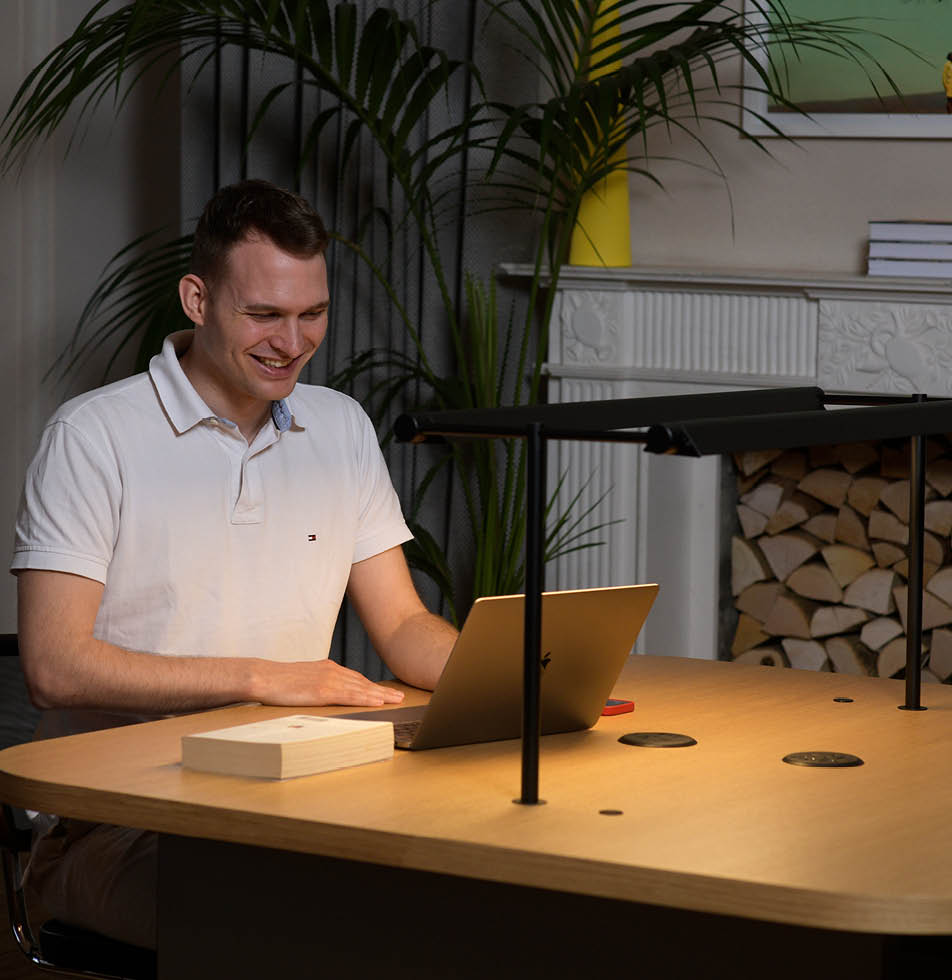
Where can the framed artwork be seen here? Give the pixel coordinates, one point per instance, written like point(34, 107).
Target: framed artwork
point(838, 95)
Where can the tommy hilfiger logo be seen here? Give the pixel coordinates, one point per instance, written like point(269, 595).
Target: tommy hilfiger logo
point(312, 537)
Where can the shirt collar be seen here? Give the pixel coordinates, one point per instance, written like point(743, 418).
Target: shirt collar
point(183, 405)
point(281, 415)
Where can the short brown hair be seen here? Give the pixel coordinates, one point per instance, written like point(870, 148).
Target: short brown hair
point(238, 211)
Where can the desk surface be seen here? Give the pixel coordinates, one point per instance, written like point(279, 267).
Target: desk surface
point(722, 827)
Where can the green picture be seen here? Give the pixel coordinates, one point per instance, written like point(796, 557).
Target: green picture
point(910, 39)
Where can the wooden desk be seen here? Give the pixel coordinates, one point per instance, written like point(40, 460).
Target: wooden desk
point(717, 831)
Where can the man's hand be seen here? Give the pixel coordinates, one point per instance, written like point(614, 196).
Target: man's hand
point(321, 682)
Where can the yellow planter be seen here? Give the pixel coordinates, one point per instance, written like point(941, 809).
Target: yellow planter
point(602, 233)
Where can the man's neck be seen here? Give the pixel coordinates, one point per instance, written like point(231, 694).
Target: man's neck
point(249, 414)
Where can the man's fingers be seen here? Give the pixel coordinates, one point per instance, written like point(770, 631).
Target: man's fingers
point(341, 685)
point(320, 682)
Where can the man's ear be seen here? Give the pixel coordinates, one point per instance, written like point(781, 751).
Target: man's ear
point(194, 297)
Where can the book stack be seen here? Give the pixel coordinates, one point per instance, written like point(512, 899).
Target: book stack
point(295, 745)
point(910, 248)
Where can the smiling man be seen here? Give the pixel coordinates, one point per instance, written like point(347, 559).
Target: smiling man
point(187, 535)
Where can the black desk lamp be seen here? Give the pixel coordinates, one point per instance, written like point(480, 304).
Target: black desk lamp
point(692, 425)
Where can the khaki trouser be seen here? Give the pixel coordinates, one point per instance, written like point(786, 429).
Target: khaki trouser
point(99, 877)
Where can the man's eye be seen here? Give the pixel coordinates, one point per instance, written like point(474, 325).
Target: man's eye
point(262, 316)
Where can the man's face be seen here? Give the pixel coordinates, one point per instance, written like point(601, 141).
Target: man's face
point(257, 325)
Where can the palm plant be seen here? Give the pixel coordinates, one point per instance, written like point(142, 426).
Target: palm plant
point(612, 70)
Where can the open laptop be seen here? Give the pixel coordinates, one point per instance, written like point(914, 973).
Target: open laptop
point(587, 635)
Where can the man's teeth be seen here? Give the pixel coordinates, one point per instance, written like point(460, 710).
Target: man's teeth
point(271, 362)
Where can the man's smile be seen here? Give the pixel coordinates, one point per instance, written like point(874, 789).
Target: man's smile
point(273, 362)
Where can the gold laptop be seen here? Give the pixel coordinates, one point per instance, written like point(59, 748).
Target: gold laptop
point(587, 635)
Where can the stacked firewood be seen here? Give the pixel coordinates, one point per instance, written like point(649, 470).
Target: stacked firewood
point(819, 563)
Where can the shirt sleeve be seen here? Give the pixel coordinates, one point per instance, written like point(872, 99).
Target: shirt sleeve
point(381, 525)
point(69, 511)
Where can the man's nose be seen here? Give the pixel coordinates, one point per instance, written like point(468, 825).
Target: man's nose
point(288, 337)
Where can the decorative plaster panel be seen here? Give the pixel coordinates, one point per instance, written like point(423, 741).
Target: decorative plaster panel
point(885, 347)
point(730, 333)
point(591, 327)
point(689, 332)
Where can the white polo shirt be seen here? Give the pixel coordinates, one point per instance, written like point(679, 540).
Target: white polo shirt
point(207, 546)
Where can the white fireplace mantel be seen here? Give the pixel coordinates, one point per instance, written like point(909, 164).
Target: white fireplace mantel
point(624, 333)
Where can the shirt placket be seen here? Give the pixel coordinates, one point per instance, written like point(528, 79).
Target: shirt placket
point(249, 504)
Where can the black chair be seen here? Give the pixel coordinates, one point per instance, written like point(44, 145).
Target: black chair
point(58, 946)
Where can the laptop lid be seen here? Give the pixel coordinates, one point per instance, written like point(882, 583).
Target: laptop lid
point(587, 635)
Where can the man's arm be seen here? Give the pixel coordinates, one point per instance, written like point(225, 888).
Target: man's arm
point(413, 642)
point(67, 667)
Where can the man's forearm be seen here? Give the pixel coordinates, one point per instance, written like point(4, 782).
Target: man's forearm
point(67, 667)
point(418, 650)
point(101, 676)
point(97, 675)
point(413, 642)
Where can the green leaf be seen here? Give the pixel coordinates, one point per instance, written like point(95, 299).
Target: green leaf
point(323, 33)
point(345, 36)
point(378, 53)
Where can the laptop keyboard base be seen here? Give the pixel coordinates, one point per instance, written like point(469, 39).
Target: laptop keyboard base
point(404, 732)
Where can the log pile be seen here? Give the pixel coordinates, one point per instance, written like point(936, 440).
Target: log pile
point(819, 561)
